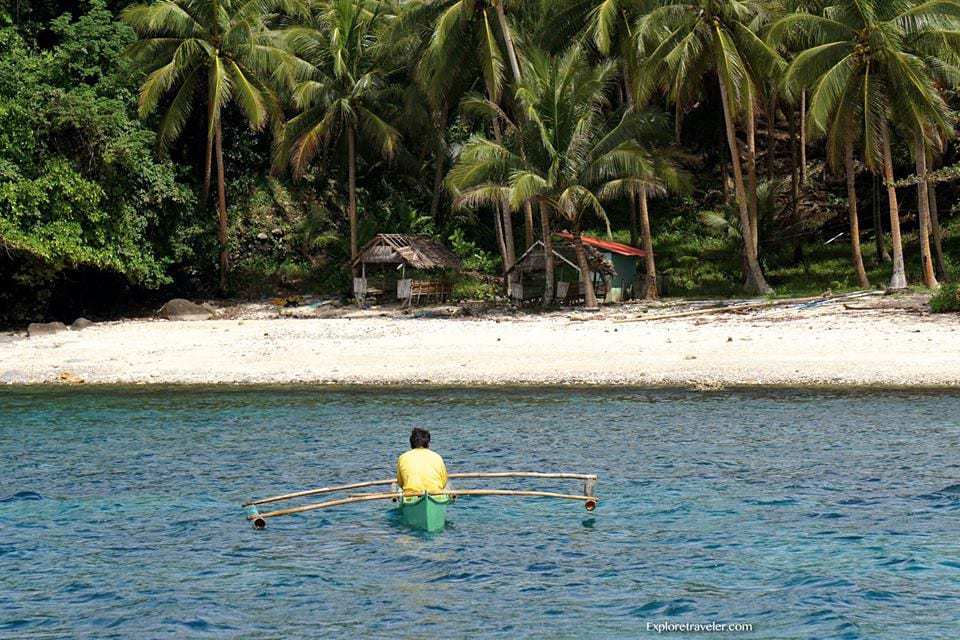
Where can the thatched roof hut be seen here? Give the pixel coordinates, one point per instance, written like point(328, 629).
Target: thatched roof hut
point(413, 251)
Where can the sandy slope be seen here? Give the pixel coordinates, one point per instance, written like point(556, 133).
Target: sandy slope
point(828, 346)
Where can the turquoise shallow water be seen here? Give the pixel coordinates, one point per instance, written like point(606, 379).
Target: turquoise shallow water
point(808, 515)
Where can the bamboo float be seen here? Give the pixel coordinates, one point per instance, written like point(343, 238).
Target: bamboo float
point(452, 476)
point(590, 502)
point(523, 474)
point(259, 519)
point(322, 490)
point(483, 492)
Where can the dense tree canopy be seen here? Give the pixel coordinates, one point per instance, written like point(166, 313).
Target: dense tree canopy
point(326, 121)
point(80, 184)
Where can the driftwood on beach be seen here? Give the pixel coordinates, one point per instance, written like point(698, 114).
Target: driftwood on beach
point(752, 306)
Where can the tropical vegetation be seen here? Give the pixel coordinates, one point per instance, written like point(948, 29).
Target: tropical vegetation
point(746, 145)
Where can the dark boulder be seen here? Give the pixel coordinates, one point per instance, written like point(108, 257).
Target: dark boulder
point(180, 309)
point(35, 329)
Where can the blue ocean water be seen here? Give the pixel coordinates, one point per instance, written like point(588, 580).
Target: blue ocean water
point(807, 515)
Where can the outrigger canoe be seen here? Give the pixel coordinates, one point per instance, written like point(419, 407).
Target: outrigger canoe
point(425, 512)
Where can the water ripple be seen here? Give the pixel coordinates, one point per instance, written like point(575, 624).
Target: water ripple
point(811, 515)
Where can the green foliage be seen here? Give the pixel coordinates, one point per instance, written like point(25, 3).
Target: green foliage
point(79, 184)
point(473, 257)
point(947, 299)
point(859, 61)
point(471, 288)
point(419, 86)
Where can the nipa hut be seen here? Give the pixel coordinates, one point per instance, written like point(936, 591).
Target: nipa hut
point(530, 267)
point(388, 257)
point(624, 259)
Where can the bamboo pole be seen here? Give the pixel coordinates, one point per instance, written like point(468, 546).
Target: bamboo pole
point(485, 492)
point(523, 474)
point(509, 492)
point(322, 490)
point(589, 501)
point(323, 505)
point(381, 483)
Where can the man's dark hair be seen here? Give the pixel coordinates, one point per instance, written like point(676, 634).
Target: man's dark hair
point(420, 439)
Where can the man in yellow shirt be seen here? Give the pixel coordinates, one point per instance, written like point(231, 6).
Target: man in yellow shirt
point(420, 469)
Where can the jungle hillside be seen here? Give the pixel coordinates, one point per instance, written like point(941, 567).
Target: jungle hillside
point(250, 148)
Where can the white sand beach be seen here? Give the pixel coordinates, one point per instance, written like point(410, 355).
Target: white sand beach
point(878, 342)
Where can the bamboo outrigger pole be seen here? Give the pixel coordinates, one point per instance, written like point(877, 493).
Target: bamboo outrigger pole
point(453, 476)
point(322, 490)
point(259, 519)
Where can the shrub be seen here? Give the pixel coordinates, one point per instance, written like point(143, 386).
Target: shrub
point(470, 288)
point(947, 299)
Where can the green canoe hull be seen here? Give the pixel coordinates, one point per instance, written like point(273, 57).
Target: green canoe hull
point(425, 513)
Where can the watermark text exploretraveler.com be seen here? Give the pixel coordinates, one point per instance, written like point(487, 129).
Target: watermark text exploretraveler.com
point(700, 627)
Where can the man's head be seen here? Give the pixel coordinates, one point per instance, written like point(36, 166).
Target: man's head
point(420, 439)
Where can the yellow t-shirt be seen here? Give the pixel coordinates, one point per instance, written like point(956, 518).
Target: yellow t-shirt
point(420, 470)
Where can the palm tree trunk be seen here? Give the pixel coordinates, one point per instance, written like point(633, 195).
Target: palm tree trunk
point(508, 239)
point(208, 167)
point(517, 77)
point(725, 178)
point(882, 255)
point(508, 39)
point(940, 263)
point(755, 281)
point(509, 248)
point(794, 165)
point(352, 187)
point(222, 212)
point(438, 171)
point(899, 278)
point(803, 138)
point(549, 277)
point(529, 236)
point(650, 291)
point(628, 92)
point(923, 205)
point(854, 219)
point(771, 137)
point(677, 123)
point(498, 232)
point(589, 295)
point(751, 118)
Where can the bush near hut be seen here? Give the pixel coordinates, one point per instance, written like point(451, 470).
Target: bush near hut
point(475, 287)
point(947, 299)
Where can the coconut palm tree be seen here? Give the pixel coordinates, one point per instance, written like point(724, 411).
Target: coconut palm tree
point(564, 155)
point(858, 62)
point(941, 53)
point(610, 22)
point(434, 87)
point(482, 28)
point(609, 26)
point(685, 41)
point(340, 95)
point(840, 137)
point(221, 48)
